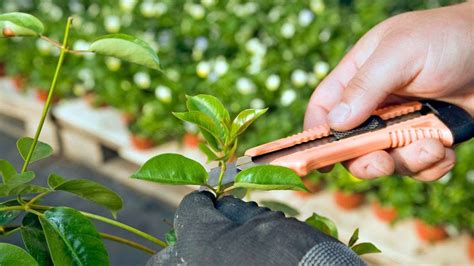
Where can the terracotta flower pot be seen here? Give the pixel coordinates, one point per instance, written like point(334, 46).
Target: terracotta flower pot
point(42, 96)
point(141, 143)
point(311, 185)
point(430, 233)
point(386, 214)
point(470, 248)
point(348, 201)
point(191, 140)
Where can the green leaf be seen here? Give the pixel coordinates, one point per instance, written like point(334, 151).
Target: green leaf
point(6, 170)
point(354, 238)
point(323, 224)
point(127, 48)
point(41, 151)
point(211, 140)
point(209, 105)
point(172, 169)
point(22, 178)
point(203, 121)
point(18, 189)
point(34, 239)
point(170, 237)
point(12, 255)
point(279, 206)
point(88, 190)
point(72, 239)
point(211, 156)
point(269, 177)
point(239, 193)
point(20, 24)
point(365, 248)
point(7, 217)
point(244, 119)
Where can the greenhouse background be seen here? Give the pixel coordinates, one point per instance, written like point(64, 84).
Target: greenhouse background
point(110, 116)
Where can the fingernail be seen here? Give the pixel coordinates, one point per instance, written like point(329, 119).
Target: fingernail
point(340, 113)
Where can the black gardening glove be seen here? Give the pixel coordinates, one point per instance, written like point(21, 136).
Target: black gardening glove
point(230, 231)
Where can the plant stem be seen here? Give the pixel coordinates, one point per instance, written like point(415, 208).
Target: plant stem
point(12, 208)
point(37, 197)
point(125, 227)
point(221, 175)
point(127, 242)
point(50, 95)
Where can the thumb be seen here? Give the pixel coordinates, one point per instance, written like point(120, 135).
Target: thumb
point(391, 66)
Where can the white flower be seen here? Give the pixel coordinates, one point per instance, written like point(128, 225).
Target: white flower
point(142, 80)
point(147, 8)
point(274, 14)
point(203, 69)
point(305, 17)
point(221, 67)
point(321, 69)
point(81, 45)
point(160, 8)
point(127, 5)
point(245, 86)
point(255, 64)
point(208, 3)
point(201, 43)
point(163, 94)
point(112, 24)
point(93, 10)
point(288, 97)
point(325, 35)
point(317, 6)
point(257, 103)
point(55, 12)
point(255, 46)
point(112, 63)
point(195, 10)
point(43, 46)
point(445, 179)
point(299, 78)
point(287, 30)
point(273, 82)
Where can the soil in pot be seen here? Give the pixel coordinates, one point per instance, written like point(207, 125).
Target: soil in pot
point(141, 143)
point(347, 200)
point(312, 186)
point(191, 140)
point(430, 233)
point(384, 213)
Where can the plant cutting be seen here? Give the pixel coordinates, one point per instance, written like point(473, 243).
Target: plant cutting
point(57, 234)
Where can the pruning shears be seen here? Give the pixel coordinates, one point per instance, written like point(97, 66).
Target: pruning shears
point(389, 127)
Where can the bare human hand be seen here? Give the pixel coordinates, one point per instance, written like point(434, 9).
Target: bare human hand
point(422, 54)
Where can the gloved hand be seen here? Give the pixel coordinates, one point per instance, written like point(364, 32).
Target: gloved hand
point(230, 231)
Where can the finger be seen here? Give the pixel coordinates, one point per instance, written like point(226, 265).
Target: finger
point(384, 72)
point(372, 165)
point(439, 169)
point(239, 211)
point(417, 156)
point(196, 213)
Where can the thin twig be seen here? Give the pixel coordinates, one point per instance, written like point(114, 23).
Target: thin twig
point(127, 242)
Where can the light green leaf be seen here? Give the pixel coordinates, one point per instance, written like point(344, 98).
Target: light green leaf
point(7, 190)
point(6, 170)
point(269, 177)
point(211, 140)
point(239, 193)
point(354, 238)
point(365, 248)
point(170, 237)
point(172, 169)
point(244, 119)
point(203, 121)
point(7, 217)
point(22, 178)
point(323, 224)
point(34, 239)
point(211, 106)
point(12, 255)
point(20, 24)
point(72, 239)
point(127, 48)
point(211, 156)
point(279, 206)
point(41, 151)
point(88, 190)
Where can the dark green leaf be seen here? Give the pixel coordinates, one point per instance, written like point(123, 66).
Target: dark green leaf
point(323, 224)
point(269, 177)
point(20, 24)
point(72, 239)
point(34, 239)
point(172, 169)
point(42, 149)
point(12, 255)
point(211, 156)
point(354, 238)
point(7, 217)
point(127, 48)
point(89, 190)
point(22, 178)
point(209, 105)
point(279, 206)
point(202, 121)
point(15, 189)
point(171, 237)
point(6, 170)
point(55, 180)
point(365, 248)
point(244, 119)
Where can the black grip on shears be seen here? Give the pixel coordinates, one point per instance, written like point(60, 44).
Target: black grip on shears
point(459, 121)
point(374, 122)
